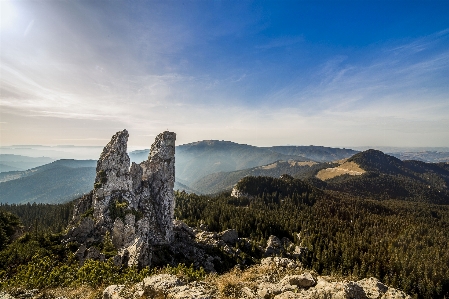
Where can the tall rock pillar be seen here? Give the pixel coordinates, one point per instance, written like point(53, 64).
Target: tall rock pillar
point(159, 179)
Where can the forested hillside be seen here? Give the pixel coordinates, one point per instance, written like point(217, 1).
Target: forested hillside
point(401, 243)
point(198, 159)
point(221, 181)
point(390, 178)
point(57, 185)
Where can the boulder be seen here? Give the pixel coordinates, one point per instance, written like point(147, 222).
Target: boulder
point(304, 280)
point(279, 262)
point(159, 285)
point(113, 292)
point(229, 236)
point(194, 290)
point(274, 246)
point(372, 287)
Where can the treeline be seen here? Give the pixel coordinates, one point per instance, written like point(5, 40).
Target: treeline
point(404, 244)
point(41, 218)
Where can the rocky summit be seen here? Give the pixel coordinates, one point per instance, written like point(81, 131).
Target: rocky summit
point(132, 205)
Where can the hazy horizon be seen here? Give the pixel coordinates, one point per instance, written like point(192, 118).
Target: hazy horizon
point(93, 152)
point(329, 73)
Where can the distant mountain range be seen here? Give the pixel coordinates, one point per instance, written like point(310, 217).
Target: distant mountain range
point(220, 181)
point(56, 182)
point(213, 166)
point(425, 156)
point(17, 162)
point(196, 160)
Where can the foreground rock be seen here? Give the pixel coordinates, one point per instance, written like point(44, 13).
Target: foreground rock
point(274, 277)
point(131, 204)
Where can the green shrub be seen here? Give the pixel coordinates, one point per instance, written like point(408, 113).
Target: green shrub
point(189, 273)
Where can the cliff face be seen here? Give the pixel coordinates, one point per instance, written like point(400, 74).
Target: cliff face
point(133, 204)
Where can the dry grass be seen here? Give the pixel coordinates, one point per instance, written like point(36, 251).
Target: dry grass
point(269, 166)
point(80, 292)
point(350, 168)
point(230, 284)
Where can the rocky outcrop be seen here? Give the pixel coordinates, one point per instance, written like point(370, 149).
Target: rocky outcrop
point(134, 204)
point(162, 286)
point(273, 278)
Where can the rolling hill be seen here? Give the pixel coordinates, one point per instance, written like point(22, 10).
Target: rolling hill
point(198, 159)
point(221, 181)
point(56, 182)
point(387, 177)
point(315, 153)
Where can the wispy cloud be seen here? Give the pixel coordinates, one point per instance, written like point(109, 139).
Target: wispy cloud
point(94, 67)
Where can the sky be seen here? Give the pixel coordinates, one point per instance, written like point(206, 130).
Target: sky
point(331, 73)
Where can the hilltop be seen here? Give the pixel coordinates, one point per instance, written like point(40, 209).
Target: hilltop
point(373, 174)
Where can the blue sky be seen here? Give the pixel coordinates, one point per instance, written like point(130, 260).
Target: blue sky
point(334, 73)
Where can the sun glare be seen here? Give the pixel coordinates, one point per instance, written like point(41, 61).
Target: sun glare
point(7, 13)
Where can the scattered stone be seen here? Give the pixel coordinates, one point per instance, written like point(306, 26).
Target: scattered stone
point(194, 290)
point(4, 295)
point(279, 262)
point(249, 293)
point(372, 287)
point(159, 285)
point(274, 246)
point(229, 236)
point(179, 225)
point(304, 280)
point(113, 292)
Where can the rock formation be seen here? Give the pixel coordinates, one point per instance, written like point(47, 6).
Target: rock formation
point(273, 278)
point(133, 204)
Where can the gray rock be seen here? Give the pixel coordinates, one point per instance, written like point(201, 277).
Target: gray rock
point(82, 231)
point(274, 246)
point(4, 295)
point(395, 294)
point(279, 262)
point(194, 290)
point(179, 225)
point(372, 287)
point(160, 285)
point(113, 292)
point(136, 173)
point(249, 293)
point(269, 290)
point(229, 236)
point(134, 204)
point(81, 253)
point(117, 233)
point(94, 253)
point(304, 280)
point(298, 251)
